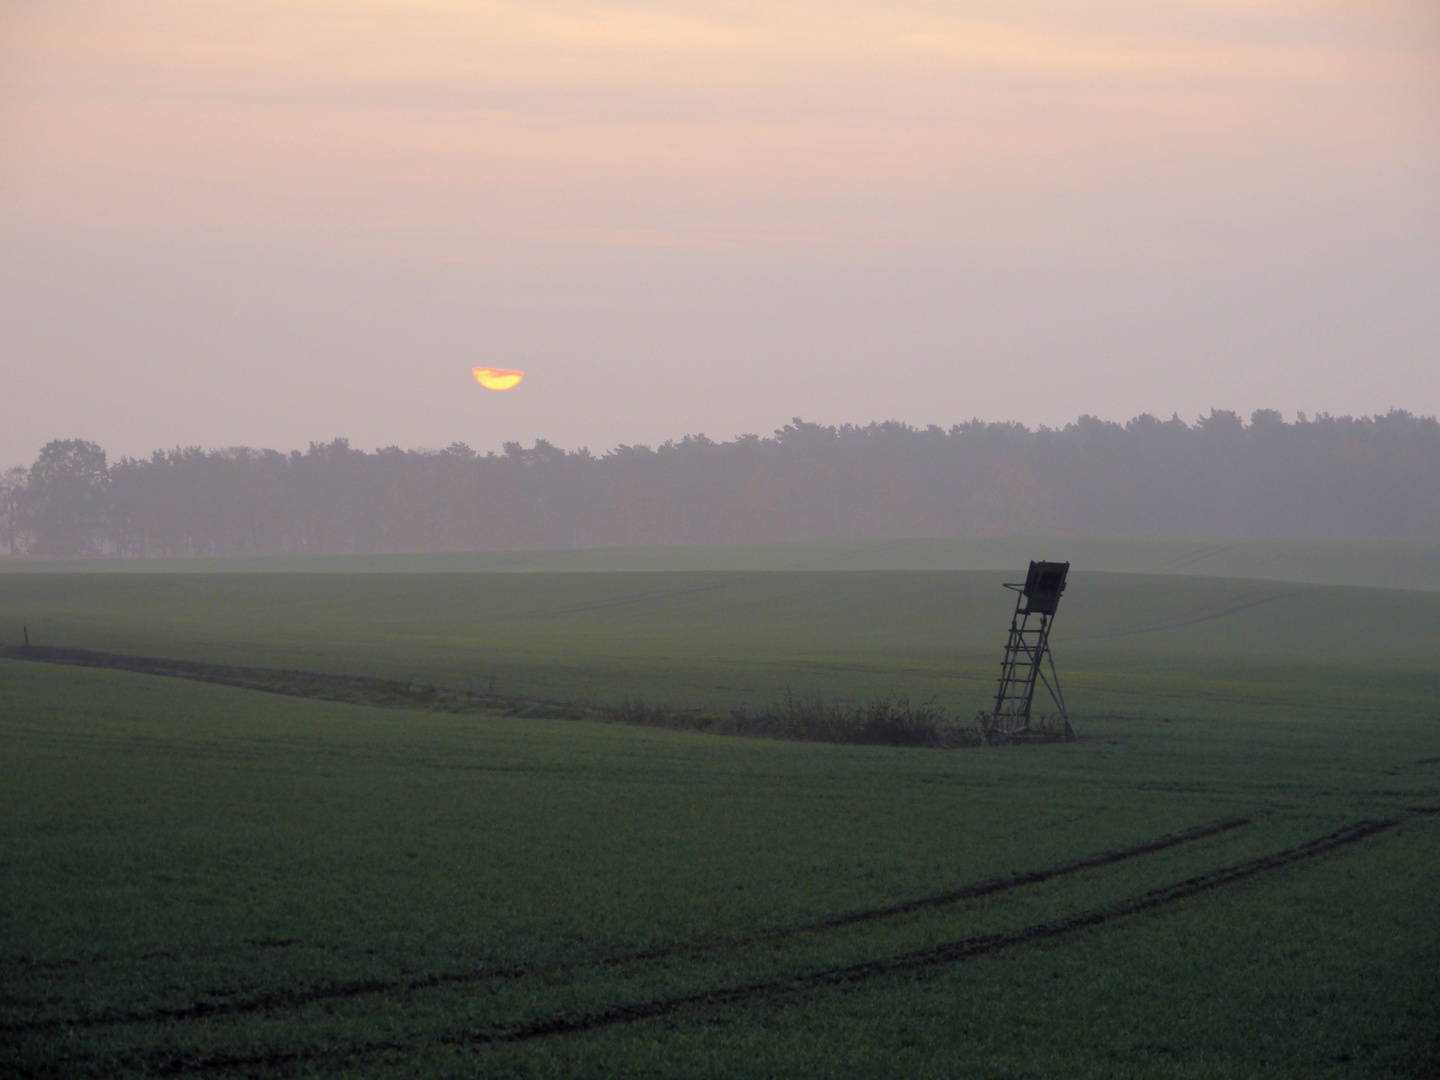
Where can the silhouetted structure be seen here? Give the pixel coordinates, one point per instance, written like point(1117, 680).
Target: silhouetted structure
point(1027, 653)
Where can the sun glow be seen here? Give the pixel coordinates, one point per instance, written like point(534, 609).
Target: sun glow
point(494, 378)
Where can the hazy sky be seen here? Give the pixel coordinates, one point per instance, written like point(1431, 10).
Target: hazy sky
point(264, 223)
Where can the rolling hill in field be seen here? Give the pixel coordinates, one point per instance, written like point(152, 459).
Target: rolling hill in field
point(211, 880)
point(1381, 564)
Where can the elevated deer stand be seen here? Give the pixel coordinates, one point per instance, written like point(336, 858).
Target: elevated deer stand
point(1027, 657)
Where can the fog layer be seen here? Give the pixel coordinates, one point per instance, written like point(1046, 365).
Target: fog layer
point(1331, 477)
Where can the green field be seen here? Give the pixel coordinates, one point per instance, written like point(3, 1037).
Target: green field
point(1378, 563)
point(1232, 873)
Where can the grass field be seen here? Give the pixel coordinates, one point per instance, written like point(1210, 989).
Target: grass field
point(1128, 643)
point(1376, 563)
point(1233, 873)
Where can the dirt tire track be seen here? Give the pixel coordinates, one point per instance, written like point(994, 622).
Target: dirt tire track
point(1191, 619)
point(628, 599)
point(949, 953)
point(361, 987)
point(1202, 553)
point(849, 975)
point(286, 682)
point(360, 690)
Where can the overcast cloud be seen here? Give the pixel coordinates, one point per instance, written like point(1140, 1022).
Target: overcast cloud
point(264, 223)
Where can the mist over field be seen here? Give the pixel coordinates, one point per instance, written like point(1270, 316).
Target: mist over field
point(514, 524)
point(265, 223)
point(1327, 478)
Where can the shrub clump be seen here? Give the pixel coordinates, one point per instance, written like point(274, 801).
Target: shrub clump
point(883, 721)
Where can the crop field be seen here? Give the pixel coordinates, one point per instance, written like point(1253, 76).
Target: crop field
point(1380, 563)
point(1232, 873)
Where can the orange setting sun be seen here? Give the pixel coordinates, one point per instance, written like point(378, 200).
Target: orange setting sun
point(494, 378)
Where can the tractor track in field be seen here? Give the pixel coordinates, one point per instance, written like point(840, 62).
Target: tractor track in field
point(849, 975)
point(205, 1010)
point(289, 682)
point(70, 963)
point(629, 599)
point(1191, 618)
point(959, 951)
point(369, 691)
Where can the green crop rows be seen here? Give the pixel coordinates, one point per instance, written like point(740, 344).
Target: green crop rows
point(1233, 873)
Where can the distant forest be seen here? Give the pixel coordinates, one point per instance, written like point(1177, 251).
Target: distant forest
point(1328, 477)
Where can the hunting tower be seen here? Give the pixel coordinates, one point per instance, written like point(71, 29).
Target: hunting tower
point(1027, 656)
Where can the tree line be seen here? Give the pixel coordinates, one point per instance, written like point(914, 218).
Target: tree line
point(1328, 477)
